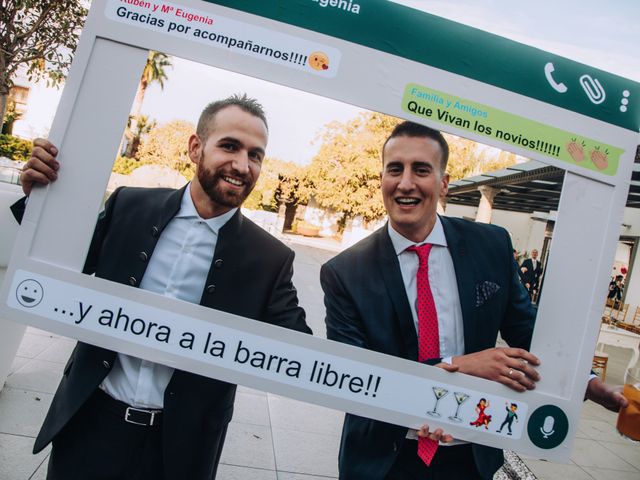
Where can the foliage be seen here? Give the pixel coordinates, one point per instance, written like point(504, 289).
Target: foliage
point(15, 148)
point(11, 114)
point(167, 145)
point(39, 36)
point(468, 158)
point(277, 183)
point(345, 174)
point(126, 165)
point(141, 126)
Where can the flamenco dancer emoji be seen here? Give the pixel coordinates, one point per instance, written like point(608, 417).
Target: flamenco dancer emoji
point(483, 418)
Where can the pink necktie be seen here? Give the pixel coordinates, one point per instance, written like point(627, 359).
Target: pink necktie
point(428, 334)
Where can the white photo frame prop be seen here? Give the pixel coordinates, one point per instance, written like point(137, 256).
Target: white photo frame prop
point(380, 56)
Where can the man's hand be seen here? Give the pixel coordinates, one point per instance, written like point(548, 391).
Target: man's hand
point(513, 367)
point(42, 166)
point(609, 397)
point(438, 434)
point(448, 367)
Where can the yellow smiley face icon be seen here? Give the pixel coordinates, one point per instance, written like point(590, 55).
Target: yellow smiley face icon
point(319, 61)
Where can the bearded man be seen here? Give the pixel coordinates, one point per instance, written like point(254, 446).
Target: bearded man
point(115, 416)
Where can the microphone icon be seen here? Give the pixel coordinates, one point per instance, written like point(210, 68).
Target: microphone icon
point(547, 427)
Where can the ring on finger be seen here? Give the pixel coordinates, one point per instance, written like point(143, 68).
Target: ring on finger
point(510, 372)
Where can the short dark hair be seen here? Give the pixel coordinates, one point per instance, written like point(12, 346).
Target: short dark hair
point(411, 129)
point(249, 105)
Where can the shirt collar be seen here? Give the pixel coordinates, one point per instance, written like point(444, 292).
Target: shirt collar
point(401, 243)
point(188, 210)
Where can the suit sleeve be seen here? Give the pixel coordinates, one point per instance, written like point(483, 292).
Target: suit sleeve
point(283, 309)
point(519, 320)
point(342, 319)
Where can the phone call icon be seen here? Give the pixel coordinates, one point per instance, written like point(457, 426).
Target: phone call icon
point(557, 86)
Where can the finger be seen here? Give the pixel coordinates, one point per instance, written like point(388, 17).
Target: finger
point(521, 353)
point(446, 438)
point(512, 384)
point(40, 154)
point(31, 176)
point(521, 377)
point(36, 165)
point(522, 367)
point(45, 145)
point(448, 367)
point(621, 400)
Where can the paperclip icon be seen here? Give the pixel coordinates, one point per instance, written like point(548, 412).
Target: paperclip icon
point(593, 89)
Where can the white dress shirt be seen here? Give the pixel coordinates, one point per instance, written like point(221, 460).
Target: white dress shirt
point(443, 283)
point(444, 288)
point(178, 269)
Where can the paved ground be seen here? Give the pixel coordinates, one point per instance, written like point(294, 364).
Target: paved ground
point(272, 437)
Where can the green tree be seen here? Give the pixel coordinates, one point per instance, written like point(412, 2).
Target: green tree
point(155, 70)
point(168, 145)
point(11, 114)
point(39, 36)
point(15, 148)
point(468, 158)
point(137, 128)
point(344, 176)
point(279, 182)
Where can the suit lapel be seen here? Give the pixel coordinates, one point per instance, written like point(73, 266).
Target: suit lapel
point(392, 277)
point(169, 209)
point(466, 278)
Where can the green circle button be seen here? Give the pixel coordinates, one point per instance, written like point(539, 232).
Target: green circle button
point(548, 427)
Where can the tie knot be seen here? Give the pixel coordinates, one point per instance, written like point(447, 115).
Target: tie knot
point(422, 251)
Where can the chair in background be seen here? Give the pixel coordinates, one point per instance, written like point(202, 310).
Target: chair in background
point(600, 359)
point(608, 306)
point(620, 314)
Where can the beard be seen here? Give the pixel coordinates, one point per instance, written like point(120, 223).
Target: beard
point(213, 185)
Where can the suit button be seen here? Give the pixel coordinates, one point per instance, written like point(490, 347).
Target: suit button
point(143, 256)
point(154, 231)
point(218, 263)
point(105, 364)
point(210, 288)
point(132, 281)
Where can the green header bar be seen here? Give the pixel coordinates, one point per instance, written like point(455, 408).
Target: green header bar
point(463, 50)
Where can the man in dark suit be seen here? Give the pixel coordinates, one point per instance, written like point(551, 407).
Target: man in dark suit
point(531, 270)
point(119, 417)
point(372, 291)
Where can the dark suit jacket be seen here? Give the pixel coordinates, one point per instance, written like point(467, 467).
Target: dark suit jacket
point(531, 276)
point(367, 306)
point(250, 276)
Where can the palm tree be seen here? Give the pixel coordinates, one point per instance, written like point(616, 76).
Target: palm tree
point(155, 70)
point(142, 127)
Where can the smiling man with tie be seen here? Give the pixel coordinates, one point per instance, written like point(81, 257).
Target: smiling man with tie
point(436, 290)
